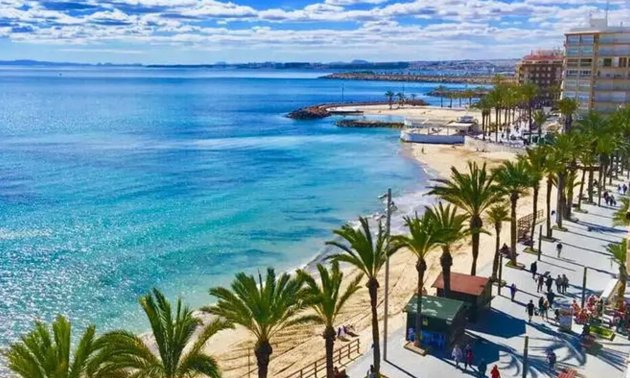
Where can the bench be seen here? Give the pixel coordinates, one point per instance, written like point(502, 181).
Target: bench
point(567, 373)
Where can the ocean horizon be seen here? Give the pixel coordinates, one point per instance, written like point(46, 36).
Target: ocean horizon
point(115, 181)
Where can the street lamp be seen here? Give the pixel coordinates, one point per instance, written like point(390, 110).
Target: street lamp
point(388, 221)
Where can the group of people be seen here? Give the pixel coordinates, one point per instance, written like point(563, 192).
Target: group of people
point(622, 189)
point(466, 357)
point(610, 199)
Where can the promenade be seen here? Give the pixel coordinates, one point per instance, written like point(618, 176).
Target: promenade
point(499, 335)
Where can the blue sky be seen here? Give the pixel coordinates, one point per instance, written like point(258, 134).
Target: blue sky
point(207, 31)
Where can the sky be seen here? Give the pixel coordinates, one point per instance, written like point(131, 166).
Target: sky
point(208, 31)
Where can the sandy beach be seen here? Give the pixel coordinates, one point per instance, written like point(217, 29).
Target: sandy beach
point(432, 113)
point(297, 348)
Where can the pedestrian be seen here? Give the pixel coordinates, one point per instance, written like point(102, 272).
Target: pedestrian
point(457, 355)
point(494, 373)
point(541, 306)
point(530, 310)
point(551, 358)
point(559, 282)
point(606, 197)
point(469, 357)
point(482, 367)
point(559, 249)
point(546, 309)
point(371, 373)
point(613, 201)
point(533, 268)
point(619, 189)
point(565, 283)
point(512, 291)
point(625, 188)
point(549, 282)
point(550, 297)
point(541, 282)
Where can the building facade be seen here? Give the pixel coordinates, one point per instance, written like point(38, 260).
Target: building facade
point(596, 66)
point(544, 69)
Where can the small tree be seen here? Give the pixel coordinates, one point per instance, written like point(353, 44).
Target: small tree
point(390, 98)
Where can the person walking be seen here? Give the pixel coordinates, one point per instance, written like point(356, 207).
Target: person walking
point(551, 358)
point(494, 373)
point(546, 309)
point(530, 310)
point(541, 306)
point(468, 359)
point(559, 282)
point(457, 355)
point(512, 291)
point(559, 249)
point(541, 282)
point(565, 283)
point(533, 268)
point(481, 368)
point(550, 297)
point(549, 282)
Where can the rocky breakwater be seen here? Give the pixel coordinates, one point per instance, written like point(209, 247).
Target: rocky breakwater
point(310, 112)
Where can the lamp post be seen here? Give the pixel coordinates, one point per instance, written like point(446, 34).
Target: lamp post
point(388, 221)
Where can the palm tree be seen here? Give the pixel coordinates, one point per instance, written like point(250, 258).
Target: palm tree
point(529, 92)
point(422, 239)
point(496, 215)
point(564, 154)
point(42, 354)
point(514, 180)
point(539, 118)
point(390, 98)
point(473, 192)
point(401, 99)
point(173, 331)
point(451, 226)
point(619, 255)
point(263, 308)
point(360, 250)
point(536, 162)
point(621, 217)
point(441, 90)
point(327, 300)
point(567, 107)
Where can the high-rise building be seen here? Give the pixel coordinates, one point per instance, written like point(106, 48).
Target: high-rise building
point(597, 67)
point(543, 68)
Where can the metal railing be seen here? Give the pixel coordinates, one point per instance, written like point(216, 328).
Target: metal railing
point(341, 357)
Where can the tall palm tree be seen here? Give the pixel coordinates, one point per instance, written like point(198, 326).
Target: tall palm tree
point(529, 93)
point(422, 239)
point(514, 180)
point(327, 299)
point(390, 98)
point(45, 354)
point(619, 255)
point(536, 162)
point(563, 154)
point(539, 118)
point(361, 250)
point(473, 192)
point(621, 217)
point(264, 308)
point(178, 355)
point(496, 215)
point(452, 228)
point(401, 99)
point(567, 107)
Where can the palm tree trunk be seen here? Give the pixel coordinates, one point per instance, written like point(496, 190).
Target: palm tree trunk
point(569, 199)
point(548, 203)
point(535, 210)
point(421, 267)
point(495, 262)
point(581, 193)
point(263, 351)
point(622, 280)
point(376, 343)
point(475, 225)
point(591, 177)
point(600, 184)
point(329, 336)
point(560, 198)
point(513, 200)
point(529, 116)
point(446, 260)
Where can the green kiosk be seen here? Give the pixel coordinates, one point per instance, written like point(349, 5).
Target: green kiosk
point(443, 320)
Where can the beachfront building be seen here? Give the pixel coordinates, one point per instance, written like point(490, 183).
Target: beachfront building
point(544, 69)
point(597, 66)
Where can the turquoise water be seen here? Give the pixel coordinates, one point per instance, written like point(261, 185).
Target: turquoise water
point(115, 181)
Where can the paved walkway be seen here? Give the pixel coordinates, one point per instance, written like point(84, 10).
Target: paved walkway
point(499, 335)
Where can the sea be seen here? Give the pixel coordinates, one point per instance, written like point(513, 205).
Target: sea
point(114, 181)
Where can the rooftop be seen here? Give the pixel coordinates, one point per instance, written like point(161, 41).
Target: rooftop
point(436, 307)
point(463, 283)
point(544, 55)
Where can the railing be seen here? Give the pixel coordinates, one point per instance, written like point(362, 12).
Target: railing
point(524, 224)
point(341, 357)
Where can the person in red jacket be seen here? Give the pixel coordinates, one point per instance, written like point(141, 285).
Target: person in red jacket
point(494, 373)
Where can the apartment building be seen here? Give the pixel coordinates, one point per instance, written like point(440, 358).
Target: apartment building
point(544, 69)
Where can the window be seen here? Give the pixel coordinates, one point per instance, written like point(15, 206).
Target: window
point(573, 39)
point(587, 38)
point(572, 62)
point(623, 62)
point(607, 62)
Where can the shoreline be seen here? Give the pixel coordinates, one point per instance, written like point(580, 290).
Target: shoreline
point(292, 353)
